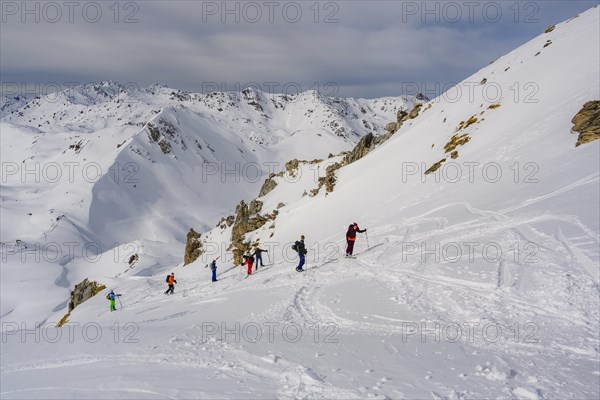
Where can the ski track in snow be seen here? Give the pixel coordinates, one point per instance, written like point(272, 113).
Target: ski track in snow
point(418, 288)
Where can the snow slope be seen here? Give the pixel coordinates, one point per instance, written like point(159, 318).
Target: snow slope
point(510, 262)
point(95, 167)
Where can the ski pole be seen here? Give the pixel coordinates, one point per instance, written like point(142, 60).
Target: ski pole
point(367, 236)
point(120, 304)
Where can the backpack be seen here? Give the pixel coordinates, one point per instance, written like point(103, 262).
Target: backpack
point(167, 280)
point(295, 246)
point(108, 296)
point(251, 259)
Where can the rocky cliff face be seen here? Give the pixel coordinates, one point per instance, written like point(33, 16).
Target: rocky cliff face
point(247, 219)
point(269, 185)
point(82, 292)
point(361, 149)
point(587, 123)
point(193, 247)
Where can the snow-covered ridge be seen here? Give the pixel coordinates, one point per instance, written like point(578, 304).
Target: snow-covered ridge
point(80, 107)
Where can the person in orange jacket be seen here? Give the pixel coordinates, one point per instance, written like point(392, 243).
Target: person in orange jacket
point(351, 238)
point(171, 282)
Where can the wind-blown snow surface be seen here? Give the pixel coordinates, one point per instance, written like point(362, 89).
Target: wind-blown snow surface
point(387, 320)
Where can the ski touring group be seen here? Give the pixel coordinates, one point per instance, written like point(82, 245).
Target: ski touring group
point(253, 260)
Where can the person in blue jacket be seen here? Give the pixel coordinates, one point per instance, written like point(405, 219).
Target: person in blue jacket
point(112, 297)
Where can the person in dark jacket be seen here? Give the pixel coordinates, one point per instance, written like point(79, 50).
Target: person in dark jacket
point(258, 255)
point(301, 250)
point(213, 268)
point(351, 238)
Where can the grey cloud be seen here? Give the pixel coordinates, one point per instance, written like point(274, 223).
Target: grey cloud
point(369, 53)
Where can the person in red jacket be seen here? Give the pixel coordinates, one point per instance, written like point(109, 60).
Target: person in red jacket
point(249, 261)
point(351, 238)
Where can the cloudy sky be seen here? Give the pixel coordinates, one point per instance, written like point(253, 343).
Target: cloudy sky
point(345, 48)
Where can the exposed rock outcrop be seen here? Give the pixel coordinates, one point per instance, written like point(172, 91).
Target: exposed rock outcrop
point(464, 125)
point(269, 185)
point(193, 247)
point(422, 97)
point(361, 149)
point(247, 219)
point(587, 123)
point(226, 222)
point(456, 141)
point(415, 111)
point(253, 99)
point(292, 166)
point(133, 259)
point(155, 136)
point(164, 133)
point(401, 117)
point(255, 206)
point(329, 179)
point(82, 292)
point(435, 167)
point(391, 127)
